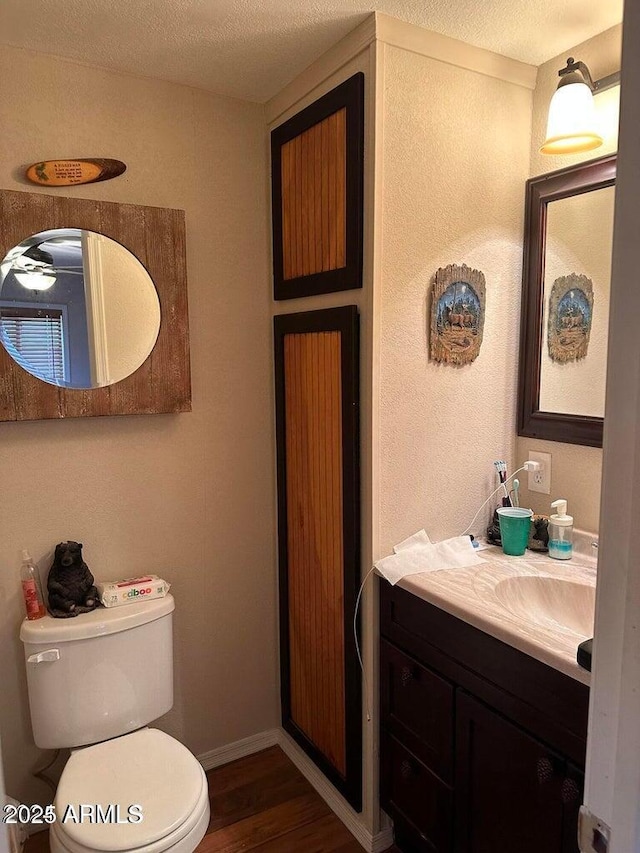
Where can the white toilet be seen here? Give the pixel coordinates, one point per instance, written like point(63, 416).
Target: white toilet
point(95, 682)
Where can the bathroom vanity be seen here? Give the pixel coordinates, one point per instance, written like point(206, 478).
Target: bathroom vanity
point(483, 726)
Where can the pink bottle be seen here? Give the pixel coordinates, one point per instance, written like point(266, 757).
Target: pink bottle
point(31, 591)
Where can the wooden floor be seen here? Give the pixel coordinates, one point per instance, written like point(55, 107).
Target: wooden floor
point(264, 804)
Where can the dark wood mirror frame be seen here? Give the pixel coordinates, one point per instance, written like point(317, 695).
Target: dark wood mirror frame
point(574, 180)
point(156, 236)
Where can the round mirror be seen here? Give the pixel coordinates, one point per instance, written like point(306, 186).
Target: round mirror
point(77, 309)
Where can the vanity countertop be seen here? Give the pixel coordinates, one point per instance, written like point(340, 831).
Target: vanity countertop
point(473, 595)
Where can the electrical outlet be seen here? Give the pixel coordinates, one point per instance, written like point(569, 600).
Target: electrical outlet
point(540, 481)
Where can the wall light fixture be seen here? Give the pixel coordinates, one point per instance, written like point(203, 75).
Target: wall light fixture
point(572, 124)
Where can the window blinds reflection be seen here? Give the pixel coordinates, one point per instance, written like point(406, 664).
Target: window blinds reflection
point(35, 340)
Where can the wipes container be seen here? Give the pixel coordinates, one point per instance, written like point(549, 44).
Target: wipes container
point(132, 590)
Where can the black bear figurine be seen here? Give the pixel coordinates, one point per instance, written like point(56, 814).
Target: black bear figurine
point(539, 534)
point(70, 583)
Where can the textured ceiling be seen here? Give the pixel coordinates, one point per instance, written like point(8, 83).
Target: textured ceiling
point(251, 48)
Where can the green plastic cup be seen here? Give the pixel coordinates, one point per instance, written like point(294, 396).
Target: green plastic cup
point(515, 524)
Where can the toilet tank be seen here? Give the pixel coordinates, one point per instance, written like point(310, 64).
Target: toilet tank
point(100, 674)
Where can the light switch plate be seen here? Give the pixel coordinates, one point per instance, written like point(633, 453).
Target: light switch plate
point(540, 481)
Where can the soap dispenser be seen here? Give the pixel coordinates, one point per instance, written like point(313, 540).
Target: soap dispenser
point(560, 532)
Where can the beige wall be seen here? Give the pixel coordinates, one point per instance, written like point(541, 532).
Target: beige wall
point(187, 496)
point(575, 471)
point(456, 156)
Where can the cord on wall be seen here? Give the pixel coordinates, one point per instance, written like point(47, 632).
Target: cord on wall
point(355, 635)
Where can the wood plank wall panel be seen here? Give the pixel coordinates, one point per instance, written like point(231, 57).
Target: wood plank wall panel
point(314, 200)
point(156, 236)
point(316, 571)
point(316, 364)
point(317, 186)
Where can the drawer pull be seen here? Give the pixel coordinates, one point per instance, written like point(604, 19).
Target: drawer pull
point(406, 770)
point(570, 791)
point(544, 770)
point(406, 675)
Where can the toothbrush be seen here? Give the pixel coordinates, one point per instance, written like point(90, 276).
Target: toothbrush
point(501, 468)
point(516, 487)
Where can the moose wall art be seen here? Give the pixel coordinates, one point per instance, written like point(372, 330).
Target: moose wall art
point(570, 317)
point(457, 314)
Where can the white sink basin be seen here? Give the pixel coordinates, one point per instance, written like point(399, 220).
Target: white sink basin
point(553, 601)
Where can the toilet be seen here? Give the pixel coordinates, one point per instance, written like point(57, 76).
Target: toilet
point(95, 682)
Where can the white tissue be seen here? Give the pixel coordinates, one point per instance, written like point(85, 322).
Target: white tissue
point(456, 553)
point(417, 540)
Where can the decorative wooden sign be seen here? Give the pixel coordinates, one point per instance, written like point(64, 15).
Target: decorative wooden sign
point(66, 173)
point(570, 316)
point(317, 161)
point(457, 314)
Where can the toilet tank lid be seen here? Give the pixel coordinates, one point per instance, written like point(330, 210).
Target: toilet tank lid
point(101, 621)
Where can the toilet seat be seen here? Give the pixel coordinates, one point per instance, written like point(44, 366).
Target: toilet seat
point(147, 768)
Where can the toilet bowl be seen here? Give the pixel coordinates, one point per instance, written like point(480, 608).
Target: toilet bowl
point(95, 683)
point(143, 791)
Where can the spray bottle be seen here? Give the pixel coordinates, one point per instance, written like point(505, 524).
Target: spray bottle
point(31, 591)
point(560, 532)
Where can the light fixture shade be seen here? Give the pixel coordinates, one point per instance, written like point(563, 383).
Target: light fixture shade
point(35, 280)
point(572, 123)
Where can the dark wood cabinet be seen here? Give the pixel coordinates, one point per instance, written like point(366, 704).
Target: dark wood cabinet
point(417, 796)
point(482, 747)
point(511, 788)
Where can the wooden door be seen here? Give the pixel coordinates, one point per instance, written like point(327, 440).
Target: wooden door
point(508, 786)
point(316, 362)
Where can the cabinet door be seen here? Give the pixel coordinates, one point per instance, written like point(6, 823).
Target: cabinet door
point(411, 792)
point(316, 367)
point(417, 706)
point(508, 786)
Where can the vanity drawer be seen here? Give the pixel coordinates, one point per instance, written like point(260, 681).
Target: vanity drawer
point(410, 792)
point(417, 706)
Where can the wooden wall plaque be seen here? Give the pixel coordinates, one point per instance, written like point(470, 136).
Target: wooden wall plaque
point(156, 236)
point(317, 160)
point(457, 314)
point(67, 173)
point(316, 361)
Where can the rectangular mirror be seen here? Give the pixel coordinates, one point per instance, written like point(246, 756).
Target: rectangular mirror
point(565, 303)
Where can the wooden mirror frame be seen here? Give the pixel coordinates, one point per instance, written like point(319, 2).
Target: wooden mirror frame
point(533, 423)
point(156, 236)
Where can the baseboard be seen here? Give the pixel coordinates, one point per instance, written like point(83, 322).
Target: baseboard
point(238, 749)
point(351, 819)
